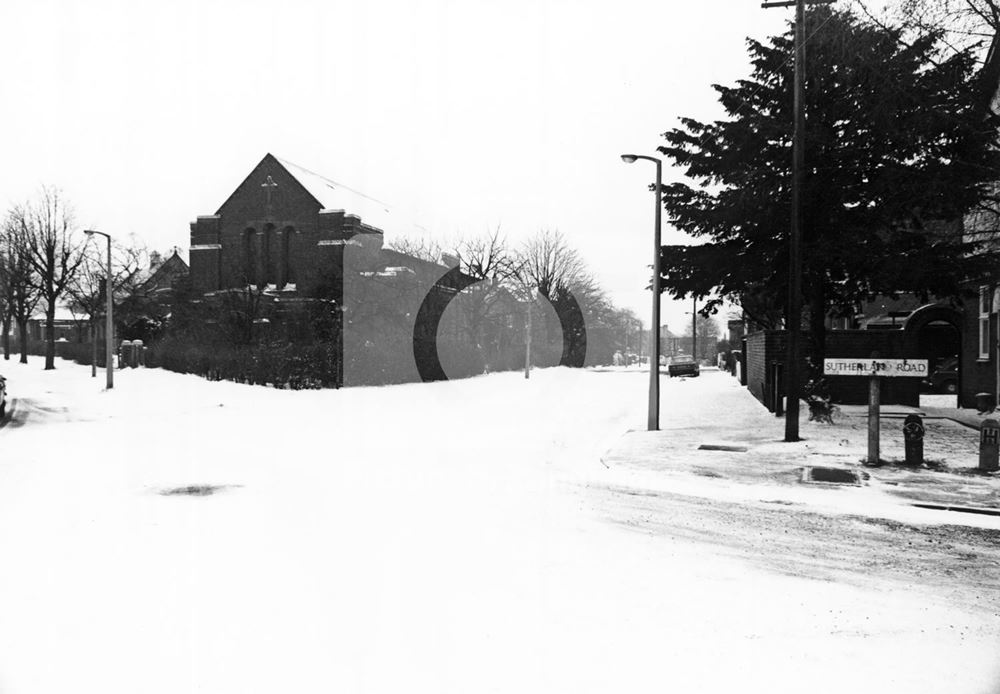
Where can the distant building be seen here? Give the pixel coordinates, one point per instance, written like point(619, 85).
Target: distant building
point(67, 325)
point(737, 330)
point(162, 276)
point(141, 314)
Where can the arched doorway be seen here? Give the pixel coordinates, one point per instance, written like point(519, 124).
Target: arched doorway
point(933, 332)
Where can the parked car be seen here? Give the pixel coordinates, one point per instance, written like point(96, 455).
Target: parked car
point(3, 397)
point(944, 379)
point(683, 365)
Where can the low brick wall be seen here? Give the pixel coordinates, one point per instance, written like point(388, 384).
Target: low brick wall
point(767, 347)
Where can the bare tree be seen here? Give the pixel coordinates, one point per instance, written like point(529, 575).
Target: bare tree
point(964, 23)
point(706, 331)
point(5, 316)
point(53, 252)
point(420, 248)
point(18, 284)
point(961, 25)
point(6, 312)
point(548, 264)
point(87, 291)
point(490, 304)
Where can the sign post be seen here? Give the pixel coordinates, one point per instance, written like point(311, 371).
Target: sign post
point(874, 396)
point(875, 369)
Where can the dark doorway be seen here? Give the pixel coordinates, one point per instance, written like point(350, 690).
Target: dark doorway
point(934, 334)
point(941, 344)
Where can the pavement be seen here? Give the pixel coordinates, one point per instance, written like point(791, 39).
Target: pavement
point(939, 407)
point(713, 431)
point(719, 474)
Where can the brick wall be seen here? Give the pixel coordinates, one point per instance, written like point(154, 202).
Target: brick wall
point(976, 375)
point(205, 254)
point(853, 390)
point(766, 347)
point(755, 360)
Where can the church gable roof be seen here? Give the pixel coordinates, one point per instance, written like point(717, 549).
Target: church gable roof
point(252, 193)
point(336, 196)
point(327, 194)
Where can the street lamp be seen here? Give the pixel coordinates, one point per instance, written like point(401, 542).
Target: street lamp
point(653, 423)
point(109, 330)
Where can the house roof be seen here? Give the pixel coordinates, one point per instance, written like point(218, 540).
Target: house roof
point(391, 257)
point(174, 263)
point(63, 313)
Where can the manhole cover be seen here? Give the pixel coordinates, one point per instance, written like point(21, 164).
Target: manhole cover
point(721, 447)
point(830, 475)
point(196, 490)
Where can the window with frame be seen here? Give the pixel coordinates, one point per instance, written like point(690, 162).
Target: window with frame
point(984, 322)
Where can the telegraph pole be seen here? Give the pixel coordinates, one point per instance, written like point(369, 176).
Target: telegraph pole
point(793, 322)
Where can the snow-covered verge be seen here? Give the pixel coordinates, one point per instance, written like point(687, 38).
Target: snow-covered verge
point(443, 537)
point(715, 410)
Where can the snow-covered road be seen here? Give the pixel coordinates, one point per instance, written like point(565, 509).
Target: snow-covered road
point(421, 538)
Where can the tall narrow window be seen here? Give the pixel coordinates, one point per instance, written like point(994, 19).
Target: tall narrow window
point(249, 257)
point(287, 277)
point(984, 322)
point(269, 251)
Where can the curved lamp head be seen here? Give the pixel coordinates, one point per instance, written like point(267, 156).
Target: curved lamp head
point(629, 158)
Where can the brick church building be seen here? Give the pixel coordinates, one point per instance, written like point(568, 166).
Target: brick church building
point(284, 227)
point(285, 235)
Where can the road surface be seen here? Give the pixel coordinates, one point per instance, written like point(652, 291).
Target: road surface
point(451, 537)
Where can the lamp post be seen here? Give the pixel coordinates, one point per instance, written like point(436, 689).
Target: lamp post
point(109, 330)
point(694, 328)
point(653, 423)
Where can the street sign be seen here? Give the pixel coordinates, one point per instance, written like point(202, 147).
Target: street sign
point(874, 368)
point(850, 366)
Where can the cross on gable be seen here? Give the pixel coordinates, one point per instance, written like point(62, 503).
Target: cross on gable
point(268, 185)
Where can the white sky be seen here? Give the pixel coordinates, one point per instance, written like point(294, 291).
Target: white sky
point(470, 113)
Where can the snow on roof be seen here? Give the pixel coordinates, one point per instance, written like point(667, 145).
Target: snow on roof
point(63, 313)
point(336, 196)
point(149, 272)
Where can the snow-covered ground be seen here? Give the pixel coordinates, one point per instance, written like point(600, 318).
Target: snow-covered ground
point(448, 537)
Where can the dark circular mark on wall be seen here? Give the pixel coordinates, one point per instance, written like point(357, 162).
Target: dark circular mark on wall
point(450, 285)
